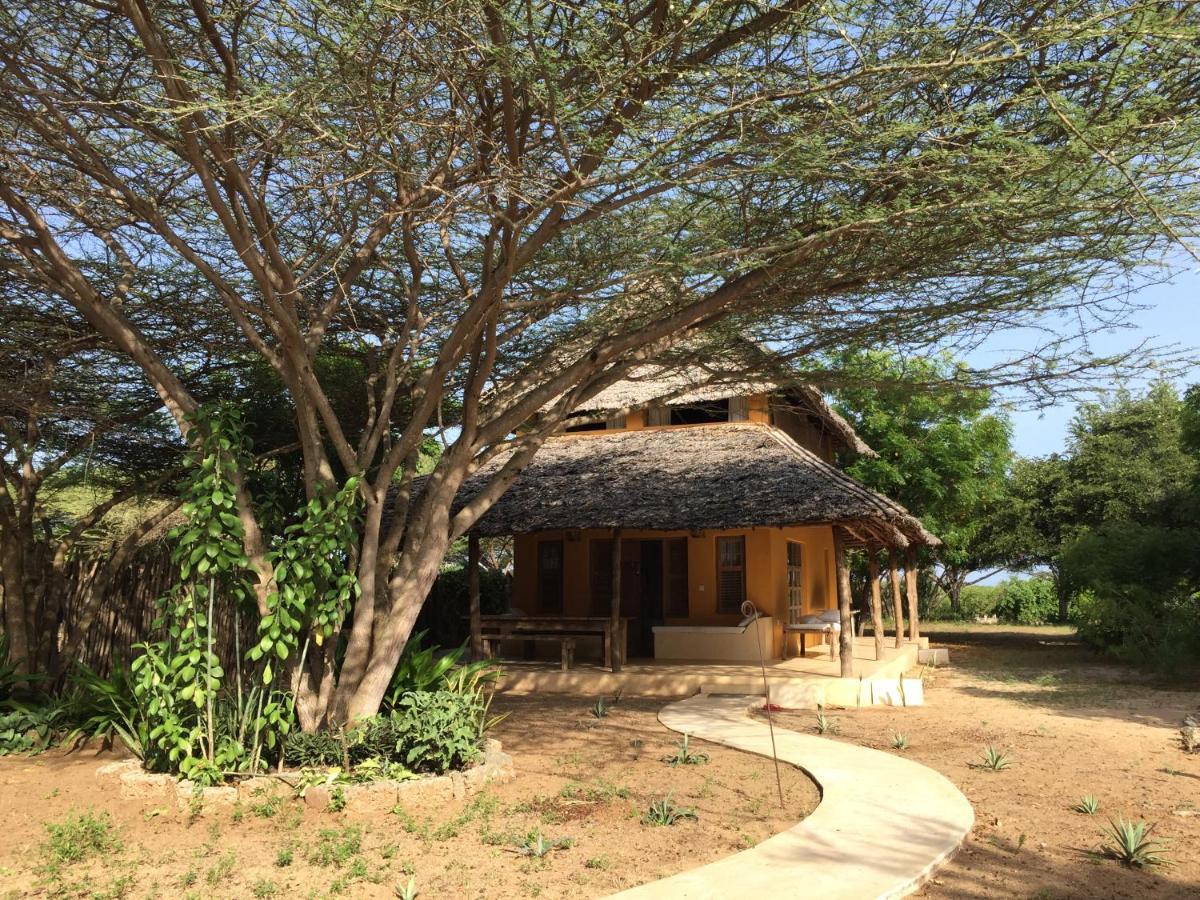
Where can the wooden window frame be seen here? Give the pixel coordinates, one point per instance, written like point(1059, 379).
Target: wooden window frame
point(722, 606)
point(542, 604)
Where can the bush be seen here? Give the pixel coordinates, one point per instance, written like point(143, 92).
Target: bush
point(444, 615)
point(438, 730)
point(1027, 601)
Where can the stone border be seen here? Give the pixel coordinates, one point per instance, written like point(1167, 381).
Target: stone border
point(376, 796)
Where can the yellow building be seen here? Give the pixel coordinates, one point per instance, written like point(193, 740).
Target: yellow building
point(719, 497)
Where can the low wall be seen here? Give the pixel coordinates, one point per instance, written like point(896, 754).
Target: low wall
point(715, 643)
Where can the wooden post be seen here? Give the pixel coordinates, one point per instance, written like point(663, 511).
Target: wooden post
point(910, 576)
point(897, 601)
point(614, 627)
point(846, 643)
point(876, 600)
point(473, 594)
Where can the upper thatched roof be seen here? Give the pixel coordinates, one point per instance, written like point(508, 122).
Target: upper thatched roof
point(708, 477)
point(697, 384)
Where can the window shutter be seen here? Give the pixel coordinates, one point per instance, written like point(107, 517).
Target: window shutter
point(731, 573)
point(677, 577)
point(550, 576)
point(600, 576)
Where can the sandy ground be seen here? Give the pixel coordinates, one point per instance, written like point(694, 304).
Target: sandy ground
point(580, 778)
point(1072, 725)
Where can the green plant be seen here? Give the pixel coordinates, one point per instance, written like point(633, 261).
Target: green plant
point(102, 708)
point(1131, 844)
point(1088, 805)
point(409, 890)
point(826, 725)
point(335, 847)
point(264, 887)
point(267, 806)
point(598, 862)
point(423, 668)
point(599, 709)
point(683, 756)
point(899, 741)
point(337, 799)
point(439, 730)
point(221, 870)
point(284, 857)
point(79, 836)
point(536, 845)
point(664, 812)
point(28, 727)
point(994, 759)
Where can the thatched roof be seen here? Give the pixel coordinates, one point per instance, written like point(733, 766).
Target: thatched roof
point(705, 477)
point(677, 386)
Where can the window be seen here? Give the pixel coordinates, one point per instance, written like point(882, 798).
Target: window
point(600, 576)
point(675, 557)
point(795, 582)
point(700, 413)
point(731, 573)
point(550, 576)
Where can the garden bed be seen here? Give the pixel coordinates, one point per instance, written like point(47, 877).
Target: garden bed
point(578, 778)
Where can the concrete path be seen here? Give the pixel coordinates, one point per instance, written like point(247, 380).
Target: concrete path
point(884, 823)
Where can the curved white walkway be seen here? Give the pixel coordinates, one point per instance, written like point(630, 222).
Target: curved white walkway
point(883, 826)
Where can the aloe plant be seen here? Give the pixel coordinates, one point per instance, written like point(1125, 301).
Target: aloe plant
point(1132, 844)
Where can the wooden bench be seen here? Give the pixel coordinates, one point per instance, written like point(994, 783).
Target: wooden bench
point(493, 639)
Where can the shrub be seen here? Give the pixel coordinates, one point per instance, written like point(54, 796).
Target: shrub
point(104, 708)
point(1027, 601)
point(438, 730)
point(26, 727)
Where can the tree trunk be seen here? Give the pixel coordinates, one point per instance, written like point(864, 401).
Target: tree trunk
point(17, 624)
point(897, 600)
point(910, 575)
point(846, 638)
point(876, 601)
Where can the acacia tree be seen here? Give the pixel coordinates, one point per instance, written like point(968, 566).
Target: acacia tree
point(507, 205)
point(72, 412)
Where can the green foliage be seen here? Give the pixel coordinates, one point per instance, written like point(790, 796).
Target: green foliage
point(29, 727)
point(438, 730)
point(79, 836)
point(536, 845)
point(335, 847)
point(942, 451)
point(995, 760)
point(1088, 805)
point(1132, 844)
point(683, 756)
point(664, 812)
point(103, 708)
point(423, 668)
point(599, 709)
point(409, 890)
point(899, 741)
point(1027, 601)
point(284, 857)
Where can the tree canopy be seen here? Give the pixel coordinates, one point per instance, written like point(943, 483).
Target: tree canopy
point(943, 453)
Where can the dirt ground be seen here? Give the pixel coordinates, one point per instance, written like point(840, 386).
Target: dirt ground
point(579, 778)
point(1073, 725)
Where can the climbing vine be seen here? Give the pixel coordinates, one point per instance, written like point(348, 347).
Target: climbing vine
point(202, 721)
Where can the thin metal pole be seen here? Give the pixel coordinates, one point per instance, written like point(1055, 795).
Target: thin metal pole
point(749, 609)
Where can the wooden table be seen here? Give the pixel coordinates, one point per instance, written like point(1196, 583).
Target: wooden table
point(500, 628)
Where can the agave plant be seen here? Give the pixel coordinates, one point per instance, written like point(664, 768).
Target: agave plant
point(1132, 844)
point(1088, 805)
point(664, 812)
point(826, 725)
point(899, 741)
point(994, 759)
point(683, 755)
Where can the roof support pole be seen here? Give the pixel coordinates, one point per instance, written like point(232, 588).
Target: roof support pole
point(910, 575)
point(846, 637)
point(876, 600)
point(897, 600)
point(476, 611)
point(614, 626)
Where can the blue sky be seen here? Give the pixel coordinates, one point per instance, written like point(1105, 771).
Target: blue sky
point(1172, 317)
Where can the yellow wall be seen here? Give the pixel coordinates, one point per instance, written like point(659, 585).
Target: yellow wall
point(766, 571)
